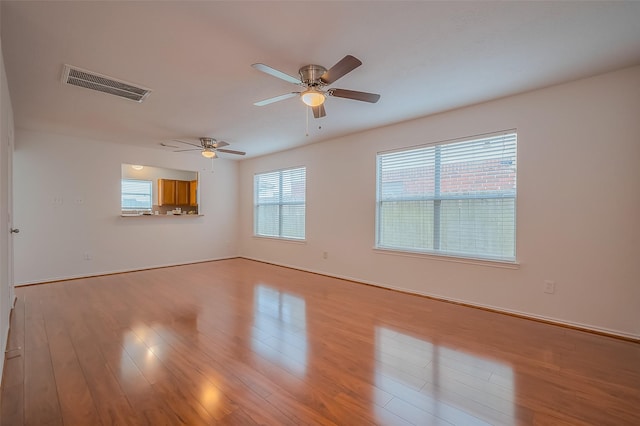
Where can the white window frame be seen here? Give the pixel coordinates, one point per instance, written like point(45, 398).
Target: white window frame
point(257, 204)
point(150, 194)
point(438, 198)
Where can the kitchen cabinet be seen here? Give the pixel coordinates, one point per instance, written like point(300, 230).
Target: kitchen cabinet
point(176, 192)
point(182, 192)
point(166, 192)
point(193, 193)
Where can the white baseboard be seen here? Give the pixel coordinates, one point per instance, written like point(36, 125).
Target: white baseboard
point(522, 314)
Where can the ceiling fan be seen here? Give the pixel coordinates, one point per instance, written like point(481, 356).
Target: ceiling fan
point(314, 79)
point(209, 147)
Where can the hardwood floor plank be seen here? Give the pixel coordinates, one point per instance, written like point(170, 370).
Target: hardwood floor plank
point(207, 393)
point(415, 415)
point(76, 403)
point(248, 388)
point(514, 414)
point(299, 412)
point(546, 419)
point(111, 404)
point(12, 405)
point(148, 403)
point(238, 417)
point(41, 405)
point(244, 342)
point(165, 383)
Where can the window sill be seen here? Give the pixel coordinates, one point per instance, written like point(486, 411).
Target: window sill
point(504, 264)
point(281, 239)
point(159, 215)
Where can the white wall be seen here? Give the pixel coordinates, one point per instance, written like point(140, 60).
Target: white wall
point(67, 204)
point(578, 206)
point(6, 132)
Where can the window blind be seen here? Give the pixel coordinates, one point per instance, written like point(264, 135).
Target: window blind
point(456, 198)
point(136, 194)
point(279, 203)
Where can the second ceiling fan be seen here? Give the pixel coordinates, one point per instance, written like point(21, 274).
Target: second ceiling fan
point(314, 79)
point(209, 147)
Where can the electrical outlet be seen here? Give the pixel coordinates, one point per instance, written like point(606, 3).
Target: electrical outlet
point(325, 255)
point(87, 256)
point(549, 286)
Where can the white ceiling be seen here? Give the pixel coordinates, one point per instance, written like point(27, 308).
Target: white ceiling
point(421, 57)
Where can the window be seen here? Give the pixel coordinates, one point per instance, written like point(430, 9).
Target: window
point(279, 203)
point(136, 194)
point(456, 198)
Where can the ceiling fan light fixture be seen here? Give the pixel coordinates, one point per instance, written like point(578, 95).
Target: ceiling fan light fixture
point(208, 153)
point(312, 97)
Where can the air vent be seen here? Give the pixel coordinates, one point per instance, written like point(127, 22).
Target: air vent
point(102, 83)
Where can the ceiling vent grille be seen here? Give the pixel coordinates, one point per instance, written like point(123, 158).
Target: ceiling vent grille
point(102, 83)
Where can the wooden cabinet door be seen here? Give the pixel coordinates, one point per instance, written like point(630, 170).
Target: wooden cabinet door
point(166, 192)
point(182, 192)
point(193, 193)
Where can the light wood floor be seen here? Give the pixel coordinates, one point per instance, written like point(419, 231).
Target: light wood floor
point(239, 342)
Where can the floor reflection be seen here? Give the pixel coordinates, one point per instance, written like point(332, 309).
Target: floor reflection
point(209, 396)
point(426, 383)
point(144, 346)
point(156, 352)
point(279, 332)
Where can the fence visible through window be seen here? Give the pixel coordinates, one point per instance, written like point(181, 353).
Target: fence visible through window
point(456, 198)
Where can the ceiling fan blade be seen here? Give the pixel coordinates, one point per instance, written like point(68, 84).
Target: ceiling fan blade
point(275, 73)
point(355, 95)
point(230, 151)
point(220, 144)
point(190, 149)
point(344, 66)
point(188, 143)
point(276, 99)
point(318, 111)
point(168, 146)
